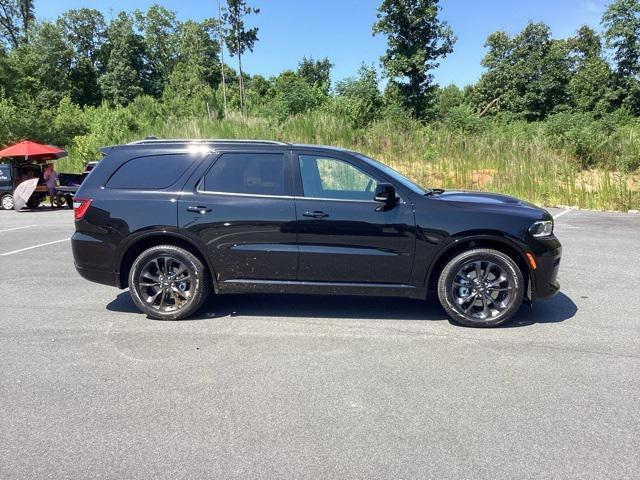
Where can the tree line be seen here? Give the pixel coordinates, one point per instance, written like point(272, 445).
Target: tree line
point(54, 71)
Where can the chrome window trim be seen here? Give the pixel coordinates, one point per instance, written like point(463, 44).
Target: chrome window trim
point(234, 194)
point(288, 197)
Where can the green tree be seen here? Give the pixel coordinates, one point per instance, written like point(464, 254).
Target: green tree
point(417, 39)
point(159, 28)
point(621, 21)
point(591, 88)
point(42, 67)
point(85, 31)
point(316, 72)
point(359, 98)
point(527, 75)
point(16, 19)
point(197, 42)
point(126, 73)
point(291, 95)
point(187, 92)
point(448, 98)
point(238, 37)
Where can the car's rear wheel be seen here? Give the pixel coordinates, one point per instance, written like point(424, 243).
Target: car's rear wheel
point(481, 288)
point(168, 282)
point(6, 202)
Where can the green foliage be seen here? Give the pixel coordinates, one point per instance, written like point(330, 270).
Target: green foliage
point(448, 98)
point(359, 99)
point(291, 95)
point(316, 72)
point(621, 21)
point(550, 120)
point(187, 92)
point(16, 19)
point(127, 73)
point(527, 75)
point(462, 118)
point(417, 39)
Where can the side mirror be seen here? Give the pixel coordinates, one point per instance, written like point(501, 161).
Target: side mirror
point(385, 193)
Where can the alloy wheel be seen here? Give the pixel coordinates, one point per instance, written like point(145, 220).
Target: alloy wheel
point(7, 202)
point(482, 290)
point(165, 284)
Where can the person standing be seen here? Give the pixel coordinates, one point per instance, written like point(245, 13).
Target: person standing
point(51, 180)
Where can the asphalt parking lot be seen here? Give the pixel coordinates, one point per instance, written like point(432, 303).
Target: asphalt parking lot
point(297, 387)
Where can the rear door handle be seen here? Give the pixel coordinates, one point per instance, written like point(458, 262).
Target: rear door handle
point(201, 210)
point(315, 214)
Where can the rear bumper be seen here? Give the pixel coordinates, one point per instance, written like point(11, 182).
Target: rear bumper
point(98, 276)
point(93, 259)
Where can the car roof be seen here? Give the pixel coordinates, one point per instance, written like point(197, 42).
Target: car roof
point(173, 143)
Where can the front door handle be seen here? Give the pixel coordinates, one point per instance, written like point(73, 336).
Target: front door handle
point(201, 210)
point(315, 214)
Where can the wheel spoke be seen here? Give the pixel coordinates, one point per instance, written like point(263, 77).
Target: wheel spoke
point(496, 289)
point(180, 293)
point(478, 269)
point(487, 272)
point(501, 279)
point(486, 313)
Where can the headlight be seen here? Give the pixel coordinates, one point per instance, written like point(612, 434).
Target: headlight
point(543, 228)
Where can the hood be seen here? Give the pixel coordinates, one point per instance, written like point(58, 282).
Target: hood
point(481, 198)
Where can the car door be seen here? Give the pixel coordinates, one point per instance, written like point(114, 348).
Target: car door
point(243, 212)
point(343, 234)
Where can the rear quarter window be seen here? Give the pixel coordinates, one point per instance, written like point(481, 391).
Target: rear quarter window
point(151, 172)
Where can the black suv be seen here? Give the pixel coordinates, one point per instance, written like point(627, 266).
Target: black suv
point(175, 219)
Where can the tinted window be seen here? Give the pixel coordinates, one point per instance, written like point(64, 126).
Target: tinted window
point(249, 173)
point(5, 172)
point(150, 173)
point(332, 178)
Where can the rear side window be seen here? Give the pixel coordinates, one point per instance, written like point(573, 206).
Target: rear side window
point(150, 173)
point(5, 172)
point(248, 173)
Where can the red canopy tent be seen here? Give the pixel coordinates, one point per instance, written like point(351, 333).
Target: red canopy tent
point(33, 151)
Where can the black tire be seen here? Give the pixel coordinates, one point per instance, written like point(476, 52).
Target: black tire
point(34, 202)
point(197, 287)
point(487, 302)
point(6, 202)
point(69, 199)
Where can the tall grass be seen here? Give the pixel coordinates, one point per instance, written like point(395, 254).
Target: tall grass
point(523, 165)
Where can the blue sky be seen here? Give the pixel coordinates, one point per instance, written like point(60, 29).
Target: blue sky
point(341, 29)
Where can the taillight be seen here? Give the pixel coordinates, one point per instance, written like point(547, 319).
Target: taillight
point(80, 207)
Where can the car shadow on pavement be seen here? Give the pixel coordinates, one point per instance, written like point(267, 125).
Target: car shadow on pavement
point(554, 310)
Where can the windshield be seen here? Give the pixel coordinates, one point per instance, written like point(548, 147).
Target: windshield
point(397, 176)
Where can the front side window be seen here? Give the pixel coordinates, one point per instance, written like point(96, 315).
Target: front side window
point(247, 173)
point(154, 172)
point(324, 177)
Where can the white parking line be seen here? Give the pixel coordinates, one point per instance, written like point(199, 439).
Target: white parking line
point(35, 246)
point(560, 214)
point(16, 228)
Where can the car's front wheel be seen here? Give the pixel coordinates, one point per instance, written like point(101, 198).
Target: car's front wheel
point(7, 202)
point(481, 288)
point(168, 282)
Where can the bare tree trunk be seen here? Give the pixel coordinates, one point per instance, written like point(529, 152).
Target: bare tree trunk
point(491, 104)
point(241, 81)
point(224, 84)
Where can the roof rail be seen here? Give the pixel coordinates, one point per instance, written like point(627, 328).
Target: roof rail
point(152, 141)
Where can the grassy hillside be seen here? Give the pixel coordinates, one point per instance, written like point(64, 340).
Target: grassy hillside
point(520, 161)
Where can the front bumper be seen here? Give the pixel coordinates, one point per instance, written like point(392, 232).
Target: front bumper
point(544, 279)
